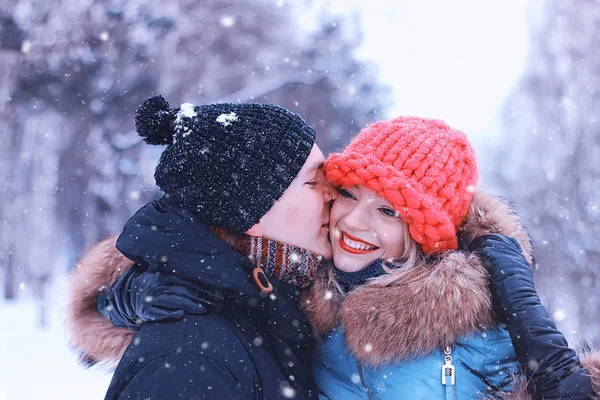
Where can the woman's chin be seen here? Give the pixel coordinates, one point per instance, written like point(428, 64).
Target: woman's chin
point(351, 262)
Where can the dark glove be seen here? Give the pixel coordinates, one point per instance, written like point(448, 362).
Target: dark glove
point(139, 296)
point(552, 368)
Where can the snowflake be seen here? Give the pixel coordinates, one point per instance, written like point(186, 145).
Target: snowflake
point(532, 365)
point(227, 119)
point(26, 48)
point(186, 110)
point(287, 391)
point(559, 315)
point(227, 21)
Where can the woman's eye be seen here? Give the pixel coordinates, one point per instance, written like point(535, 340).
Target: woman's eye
point(346, 193)
point(311, 183)
point(389, 212)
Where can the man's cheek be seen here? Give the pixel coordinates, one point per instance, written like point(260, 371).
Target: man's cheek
point(302, 214)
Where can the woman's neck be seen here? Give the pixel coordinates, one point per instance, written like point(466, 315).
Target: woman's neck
point(350, 280)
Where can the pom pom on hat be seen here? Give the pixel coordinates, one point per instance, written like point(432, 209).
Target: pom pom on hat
point(154, 121)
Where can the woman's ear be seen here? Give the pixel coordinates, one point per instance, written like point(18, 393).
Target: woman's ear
point(256, 230)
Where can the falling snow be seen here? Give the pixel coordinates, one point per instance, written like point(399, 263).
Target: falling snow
point(287, 391)
point(227, 21)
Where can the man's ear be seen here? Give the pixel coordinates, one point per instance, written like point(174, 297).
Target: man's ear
point(256, 230)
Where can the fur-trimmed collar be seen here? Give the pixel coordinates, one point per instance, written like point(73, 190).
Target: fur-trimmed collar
point(92, 335)
point(412, 311)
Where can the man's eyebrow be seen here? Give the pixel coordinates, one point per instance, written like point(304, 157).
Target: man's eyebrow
point(316, 166)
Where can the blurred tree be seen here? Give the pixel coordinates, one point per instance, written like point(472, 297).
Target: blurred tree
point(549, 159)
point(73, 73)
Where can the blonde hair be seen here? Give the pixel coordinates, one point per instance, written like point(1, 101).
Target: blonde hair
point(411, 257)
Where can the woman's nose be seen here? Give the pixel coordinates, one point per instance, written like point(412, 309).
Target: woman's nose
point(357, 219)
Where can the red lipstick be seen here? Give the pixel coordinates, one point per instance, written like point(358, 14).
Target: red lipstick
point(352, 250)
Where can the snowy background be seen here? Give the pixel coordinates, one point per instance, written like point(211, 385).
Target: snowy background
point(519, 77)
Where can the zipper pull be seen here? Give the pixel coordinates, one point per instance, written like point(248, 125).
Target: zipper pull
point(448, 368)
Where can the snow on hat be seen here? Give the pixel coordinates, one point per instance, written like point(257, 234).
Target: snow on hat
point(229, 163)
point(423, 167)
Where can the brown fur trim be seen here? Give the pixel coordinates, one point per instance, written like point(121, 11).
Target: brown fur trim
point(412, 311)
point(321, 304)
point(519, 391)
point(89, 332)
point(591, 362)
point(489, 214)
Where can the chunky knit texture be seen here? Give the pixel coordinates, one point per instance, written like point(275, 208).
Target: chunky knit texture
point(423, 167)
point(228, 163)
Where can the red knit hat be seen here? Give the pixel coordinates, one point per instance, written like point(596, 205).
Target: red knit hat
point(424, 168)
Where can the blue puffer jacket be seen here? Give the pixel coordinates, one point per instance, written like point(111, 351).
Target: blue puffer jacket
point(482, 361)
point(386, 339)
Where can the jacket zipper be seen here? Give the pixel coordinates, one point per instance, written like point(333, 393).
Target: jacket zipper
point(364, 381)
point(448, 374)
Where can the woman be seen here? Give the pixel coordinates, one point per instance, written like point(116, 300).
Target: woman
point(402, 313)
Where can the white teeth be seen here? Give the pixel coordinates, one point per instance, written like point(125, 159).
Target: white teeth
point(356, 245)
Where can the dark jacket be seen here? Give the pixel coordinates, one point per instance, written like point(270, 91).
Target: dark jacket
point(553, 369)
point(256, 346)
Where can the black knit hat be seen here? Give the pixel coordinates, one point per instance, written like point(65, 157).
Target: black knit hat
point(229, 163)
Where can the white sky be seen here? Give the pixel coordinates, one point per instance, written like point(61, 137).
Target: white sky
point(454, 60)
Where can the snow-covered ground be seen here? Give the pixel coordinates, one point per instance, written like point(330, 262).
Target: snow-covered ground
point(38, 364)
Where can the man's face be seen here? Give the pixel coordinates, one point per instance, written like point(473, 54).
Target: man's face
point(301, 216)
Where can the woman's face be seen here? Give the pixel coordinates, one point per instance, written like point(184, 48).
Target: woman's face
point(364, 227)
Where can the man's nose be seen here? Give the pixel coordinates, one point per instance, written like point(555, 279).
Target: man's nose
point(329, 192)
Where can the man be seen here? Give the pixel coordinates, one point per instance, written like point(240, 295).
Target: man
point(244, 223)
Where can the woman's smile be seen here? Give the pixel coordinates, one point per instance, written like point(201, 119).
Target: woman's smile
point(355, 245)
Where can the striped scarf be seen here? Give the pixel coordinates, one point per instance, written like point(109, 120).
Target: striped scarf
point(282, 261)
